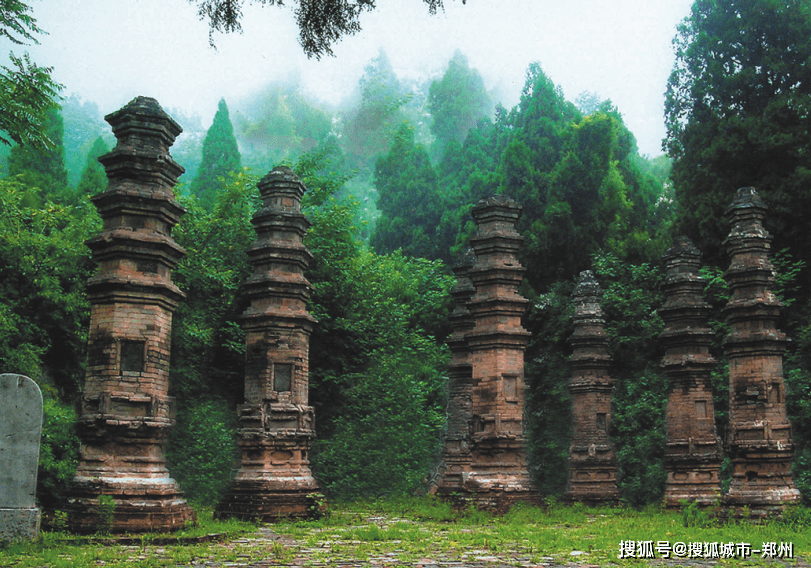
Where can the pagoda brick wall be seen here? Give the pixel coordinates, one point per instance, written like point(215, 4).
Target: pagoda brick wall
point(126, 414)
point(276, 424)
point(759, 441)
point(456, 451)
point(592, 458)
point(495, 345)
point(693, 450)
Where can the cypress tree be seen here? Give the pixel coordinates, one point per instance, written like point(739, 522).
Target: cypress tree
point(220, 156)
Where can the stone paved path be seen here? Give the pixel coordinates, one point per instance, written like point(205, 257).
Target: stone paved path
point(267, 549)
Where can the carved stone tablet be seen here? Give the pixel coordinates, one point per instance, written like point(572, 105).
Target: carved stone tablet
point(20, 431)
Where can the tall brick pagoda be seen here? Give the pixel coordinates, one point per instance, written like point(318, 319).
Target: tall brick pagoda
point(499, 476)
point(693, 450)
point(759, 439)
point(275, 422)
point(592, 459)
point(456, 456)
point(126, 414)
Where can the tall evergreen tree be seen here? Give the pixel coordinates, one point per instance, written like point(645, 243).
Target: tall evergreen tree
point(220, 156)
point(457, 102)
point(93, 178)
point(409, 199)
point(736, 113)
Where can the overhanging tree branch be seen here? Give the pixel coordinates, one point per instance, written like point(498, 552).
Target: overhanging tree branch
point(321, 23)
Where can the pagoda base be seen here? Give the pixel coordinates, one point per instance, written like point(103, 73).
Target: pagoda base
point(272, 499)
point(695, 483)
point(139, 505)
point(495, 493)
point(593, 483)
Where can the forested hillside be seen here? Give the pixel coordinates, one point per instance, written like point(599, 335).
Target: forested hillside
point(391, 177)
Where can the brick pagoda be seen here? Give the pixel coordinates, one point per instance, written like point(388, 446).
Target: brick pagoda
point(456, 456)
point(499, 476)
point(592, 459)
point(126, 414)
point(693, 450)
point(759, 439)
point(275, 422)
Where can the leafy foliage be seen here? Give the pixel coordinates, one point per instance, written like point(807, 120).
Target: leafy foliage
point(375, 368)
point(630, 300)
point(207, 342)
point(44, 266)
point(94, 179)
point(202, 449)
point(736, 112)
point(409, 199)
point(27, 91)
point(548, 405)
point(42, 168)
point(58, 451)
point(320, 23)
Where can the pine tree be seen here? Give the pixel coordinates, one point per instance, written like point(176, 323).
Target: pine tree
point(93, 179)
point(220, 157)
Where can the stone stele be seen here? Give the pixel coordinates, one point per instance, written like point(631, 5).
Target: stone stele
point(20, 431)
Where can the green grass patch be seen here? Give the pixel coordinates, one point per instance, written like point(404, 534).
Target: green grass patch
point(408, 530)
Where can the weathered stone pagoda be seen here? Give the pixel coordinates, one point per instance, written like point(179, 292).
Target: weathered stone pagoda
point(693, 450)
point(592, 458)
point(456, 455)
point(126, 414)
point(498, 470)
point(759, 439)
point(275, 422)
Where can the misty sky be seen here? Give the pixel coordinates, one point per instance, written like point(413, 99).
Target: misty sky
point(109, 51)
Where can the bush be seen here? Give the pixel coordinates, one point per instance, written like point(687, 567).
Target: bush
point(58, 452)
point(202, 450)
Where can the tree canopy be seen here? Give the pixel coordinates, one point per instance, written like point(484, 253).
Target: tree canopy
point(220, 157)
point(737, 115)
point(457, 101)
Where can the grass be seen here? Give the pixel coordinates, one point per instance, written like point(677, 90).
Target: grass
point(413, 529)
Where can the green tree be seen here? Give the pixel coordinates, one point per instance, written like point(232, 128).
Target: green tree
point(27, 91)
point(44, 267)
point(369, 126)
point(279, 124)
point(94, 179)
point(220, 157)
point(736, 114)
point(457, 102)
point(409, 199)
point(42, 168)
point(83, 124)
point(207, 341)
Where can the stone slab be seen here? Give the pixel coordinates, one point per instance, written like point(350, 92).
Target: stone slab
point(20, 432)
point(19, 524)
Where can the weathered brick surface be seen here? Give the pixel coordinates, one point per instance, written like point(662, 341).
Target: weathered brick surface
point(592, 458)
point(276, 423)
point(456, 455)
point(759, 441)
point(125, 411)
point(494, 349)
point(693, 451)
